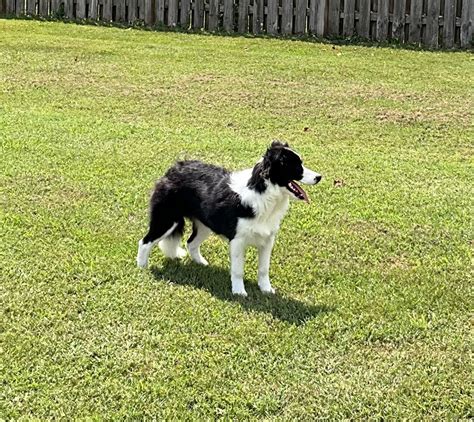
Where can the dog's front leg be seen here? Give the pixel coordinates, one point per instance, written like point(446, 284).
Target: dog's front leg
point(237, 260)
point(264, 254)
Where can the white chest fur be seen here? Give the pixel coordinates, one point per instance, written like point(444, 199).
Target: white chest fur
point(269, 207)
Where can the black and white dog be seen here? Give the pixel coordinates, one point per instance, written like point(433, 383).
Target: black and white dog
point(246, 207)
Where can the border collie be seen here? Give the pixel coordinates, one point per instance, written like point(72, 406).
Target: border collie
point(245, 207)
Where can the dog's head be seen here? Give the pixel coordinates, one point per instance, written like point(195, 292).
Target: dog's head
point(284, 167)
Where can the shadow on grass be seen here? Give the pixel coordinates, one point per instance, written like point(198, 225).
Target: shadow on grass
point(216, 281)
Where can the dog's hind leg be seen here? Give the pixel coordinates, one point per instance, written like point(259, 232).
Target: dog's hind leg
point(199, 234)
point(170, 245)
point(162, 224)
point(153, 236)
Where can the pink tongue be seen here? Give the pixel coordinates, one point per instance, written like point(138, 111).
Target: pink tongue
point(299, 189)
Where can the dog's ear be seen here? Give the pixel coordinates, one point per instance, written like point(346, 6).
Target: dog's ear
point(265, 166)
point(278, 144)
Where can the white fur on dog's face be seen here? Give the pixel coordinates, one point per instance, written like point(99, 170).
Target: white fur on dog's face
point(310, 177)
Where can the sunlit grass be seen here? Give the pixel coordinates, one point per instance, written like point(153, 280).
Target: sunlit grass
point(373, 316)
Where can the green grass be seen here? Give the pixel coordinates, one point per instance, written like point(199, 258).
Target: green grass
point(373, 316)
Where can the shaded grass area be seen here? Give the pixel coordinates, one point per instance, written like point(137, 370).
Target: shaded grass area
point(373, 316)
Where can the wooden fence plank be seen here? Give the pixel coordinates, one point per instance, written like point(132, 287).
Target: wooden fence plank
point(43, 7)
point(257, 18)
point(348, 24)
point(449, 23)
point(132, 11)
point(9, 7)
point(287, 17)
point(172, 13)
point(467, 22)
point(382, 20)
point(80, 9)
point(398, 22)
point(69, 9)
point(300, 16)
point(107, 10)
point(55, 7)
point(363, 25)
point(20, 7)
point(243, 16)
point(148, 7)
point(272, 17)
point(30, 7)
point(213, 15)
point(321, 6)
point(160, 12)
point(414, 33)
point(198, 14)
point(184, 12)
point(333, 18)
point(141, 9)
point(315, 10)
point(93, 9)
point(432, 23)
point(119, 10)
point(229, 15)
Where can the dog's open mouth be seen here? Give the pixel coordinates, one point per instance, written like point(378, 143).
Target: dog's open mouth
point(297, 190)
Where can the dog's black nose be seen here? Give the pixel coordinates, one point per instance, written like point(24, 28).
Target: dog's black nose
point(318, 178)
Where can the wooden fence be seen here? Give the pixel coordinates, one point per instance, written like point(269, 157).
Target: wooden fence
point(432, 23)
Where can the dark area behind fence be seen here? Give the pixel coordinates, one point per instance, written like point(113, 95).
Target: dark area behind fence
point(432, 23)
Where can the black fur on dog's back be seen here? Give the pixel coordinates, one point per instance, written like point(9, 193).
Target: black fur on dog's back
point(199, 191)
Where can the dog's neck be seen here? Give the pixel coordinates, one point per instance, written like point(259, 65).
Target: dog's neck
point(258, 179)
point(265, 197)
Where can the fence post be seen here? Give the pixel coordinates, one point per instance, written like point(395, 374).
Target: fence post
point(257, 24)
point(184, 14)
point(467, 22)
point(198, 14)
point(149, 15)
point(160, 12)
point(272, 17)
point(414, 33)
point(243, 11)
point(449, 23)
point(398, 24)
point(333, 18)
point(348, 24)
point(81, 9)
point(382, 20)
point(287, 17)
point(229, 15)
point(172, 13)
point(363, 29)
point(432, 23)
point(213, 15)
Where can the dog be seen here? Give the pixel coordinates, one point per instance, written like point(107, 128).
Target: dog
point(245, 207)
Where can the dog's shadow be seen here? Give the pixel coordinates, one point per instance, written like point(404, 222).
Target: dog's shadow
point(216, 281)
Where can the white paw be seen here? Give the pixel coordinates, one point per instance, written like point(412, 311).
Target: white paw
point(198, 258)
point(268, 290)
point(141, 262)
point(239, 292)
point(265, 285)
point(202, 261)
point(180, 253)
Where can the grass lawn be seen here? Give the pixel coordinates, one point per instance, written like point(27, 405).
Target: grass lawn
point(373, 316)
